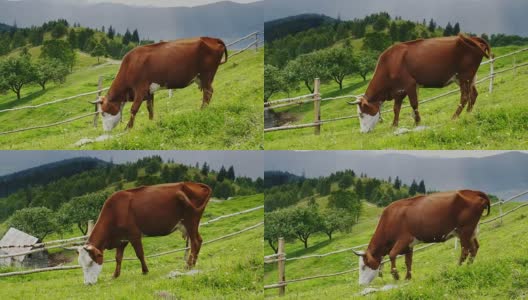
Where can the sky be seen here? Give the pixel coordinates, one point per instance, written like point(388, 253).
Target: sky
point(246, 163)
point(157, 3)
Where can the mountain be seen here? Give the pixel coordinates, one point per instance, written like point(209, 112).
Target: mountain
point(272, 178)
point(478, 16)
point(503, 174)
point(280, 28)
point(5, 27)
point(47, 173)
point(225, 19)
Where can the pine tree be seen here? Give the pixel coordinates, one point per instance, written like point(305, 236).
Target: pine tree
point(135, 37)
point(456, 29)
point(111, 32)
point(421, 187)
point(414, 188)
point(127, 37)
point(432, 26)
point(231, 174)
point(448, 31)
point(221, 174)
point(397, 183)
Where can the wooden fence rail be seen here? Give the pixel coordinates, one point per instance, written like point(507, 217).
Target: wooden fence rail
point(318, 122)
point(280, 256)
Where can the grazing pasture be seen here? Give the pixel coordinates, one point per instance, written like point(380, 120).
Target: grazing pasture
point(233, 120)
point(498, 121)
point(499, 270)
point(230, 268)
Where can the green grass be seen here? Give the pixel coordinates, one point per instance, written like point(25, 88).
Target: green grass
point(498, 121)
point(499, 271)
point(232, 268)
point(233, 120)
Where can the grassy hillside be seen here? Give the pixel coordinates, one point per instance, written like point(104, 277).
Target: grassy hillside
point(232, 268)
point(232, 121)
point(498, 121)
point(499, 271)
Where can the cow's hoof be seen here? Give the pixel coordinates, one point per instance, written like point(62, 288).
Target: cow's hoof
point(115, 276)
point(395, 275)
point(408, 277)
point(395, 125)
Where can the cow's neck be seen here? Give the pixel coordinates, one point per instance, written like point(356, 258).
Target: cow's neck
point(98, 237)
point(377, 247)
point(374, 92)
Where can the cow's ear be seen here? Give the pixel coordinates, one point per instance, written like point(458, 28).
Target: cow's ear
point(95, 254)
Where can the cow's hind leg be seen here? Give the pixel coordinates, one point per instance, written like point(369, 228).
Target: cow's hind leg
point(466, 241)
point(412, 92)
point(196, 244)
point(465, 91)
point(408, 263)
point(398, 100)
point(150, 105)
point(473, 250)
point(138, 247)
point(119, 258)
point(207, 87)
point(473, 99)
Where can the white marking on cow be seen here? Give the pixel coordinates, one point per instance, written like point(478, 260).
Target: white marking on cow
point(154, 87)
point(451, 80)
point(109, 121)
point(366, 121)
point(366, 274)
point(91, 269)
point(181, 228)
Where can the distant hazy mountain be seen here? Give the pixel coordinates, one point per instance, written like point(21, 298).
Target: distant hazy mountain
point(225, 19)
point(47, 173)
point(478, 16)
point(503, 174)
point(280, 28)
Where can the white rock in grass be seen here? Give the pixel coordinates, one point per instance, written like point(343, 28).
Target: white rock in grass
point(404, 130)
point(373, 290)
point(175, 274)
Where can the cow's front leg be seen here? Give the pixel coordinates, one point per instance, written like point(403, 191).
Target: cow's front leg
point(138, 98)
point(119, 258)
point(138, 247)
point(398, 248)
point(473, 98)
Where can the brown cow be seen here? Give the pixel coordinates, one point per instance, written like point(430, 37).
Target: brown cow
point(430, 63)
point(430, 218)
point(172, 65)
point(156, 210)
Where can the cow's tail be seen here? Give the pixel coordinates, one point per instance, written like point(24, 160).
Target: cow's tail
point(487, 201)
point(225, 51)
point(197, 191)
point(476, 42)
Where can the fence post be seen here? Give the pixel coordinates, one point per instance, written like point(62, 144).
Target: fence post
point(515, 65)
point(500, 211)
point(317, 106)
point(99, 88)
point(281, 266)
point(170, 93)
point(90, 227)
point(492, 75)
point(256, 41)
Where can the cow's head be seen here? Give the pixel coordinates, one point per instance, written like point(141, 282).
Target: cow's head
point(91, 261)
point(369, 113)
point(110, 111)
point(369, 267)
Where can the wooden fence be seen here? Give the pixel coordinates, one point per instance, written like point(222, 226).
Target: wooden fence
point(281, 256)
point(256, 43)
point(316, 96)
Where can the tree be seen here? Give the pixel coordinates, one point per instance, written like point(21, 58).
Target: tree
point(376, 41)
point(432, 26)
point(131, 172)
point(224, 190)
point(36, 221)
point(127, 37)
point(421, 187)
point(397, 183)
point(72, 39)
point(393, 31)
point(231, 173)
point(345, 182)
point(304, 221)
point(59, 30)
point(277, 225)
point(366, 62)
point(80, 210)
point(36, 36)
point(336, 220)
point(153, 166)
point(448, 31)
point(60, 50)
point(205, 169)
point(98, 51)
point(324, 187)
point(221, 174)
point(275, 81)
point(347, 200)
point(456, 29)
point(414, 188)
point(338, 63)
point(111, 32)
point(135, 37)
point(50, 70)
point(306, 189)
point(16, 72)
point(307, 67)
